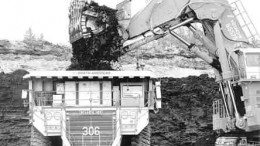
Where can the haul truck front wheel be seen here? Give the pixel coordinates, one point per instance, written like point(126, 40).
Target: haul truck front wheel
point(37, 139)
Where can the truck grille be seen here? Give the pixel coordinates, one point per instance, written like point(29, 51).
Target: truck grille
point(91, 130)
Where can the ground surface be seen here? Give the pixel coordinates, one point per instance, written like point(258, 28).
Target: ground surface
point(14, 132)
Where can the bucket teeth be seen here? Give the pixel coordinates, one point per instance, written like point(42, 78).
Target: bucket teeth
point(89, 13)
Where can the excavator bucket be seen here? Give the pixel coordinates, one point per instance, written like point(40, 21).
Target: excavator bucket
point(93, 35)
point(87, 18)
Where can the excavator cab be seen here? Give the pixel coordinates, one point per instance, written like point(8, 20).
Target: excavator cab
point(246, 102)
point(249, 65)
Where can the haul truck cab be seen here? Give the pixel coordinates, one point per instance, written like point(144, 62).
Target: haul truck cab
point(91, 107)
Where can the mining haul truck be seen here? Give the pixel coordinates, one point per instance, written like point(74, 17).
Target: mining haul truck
point(225, 39)
point(91, 108)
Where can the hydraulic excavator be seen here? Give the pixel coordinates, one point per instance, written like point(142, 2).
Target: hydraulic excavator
point(227, 47)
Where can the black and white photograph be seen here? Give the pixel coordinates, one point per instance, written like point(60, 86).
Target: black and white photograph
point(129, 73)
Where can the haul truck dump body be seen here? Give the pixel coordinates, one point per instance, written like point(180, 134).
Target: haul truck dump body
point(91, 107)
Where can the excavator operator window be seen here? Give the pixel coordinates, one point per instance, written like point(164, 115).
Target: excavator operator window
point(253, 59)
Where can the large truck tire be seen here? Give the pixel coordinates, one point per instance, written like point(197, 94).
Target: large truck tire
point(143, 138)
point(37, 139)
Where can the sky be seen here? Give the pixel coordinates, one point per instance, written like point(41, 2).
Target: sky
point(47, 17)
point(50, 18)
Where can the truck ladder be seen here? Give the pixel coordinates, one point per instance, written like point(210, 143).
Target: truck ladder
point(245, 21)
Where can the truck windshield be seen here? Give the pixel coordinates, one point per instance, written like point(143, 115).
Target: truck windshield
point(253, 59)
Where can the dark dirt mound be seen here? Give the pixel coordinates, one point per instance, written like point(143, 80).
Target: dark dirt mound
point(186, 115)
point(208, 140)
point(14, 132)
point(14, 127)
point(11, 86)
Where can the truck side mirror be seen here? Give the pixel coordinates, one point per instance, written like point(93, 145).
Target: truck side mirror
point(158, 100)
point(25, 98)
point(24, 94)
